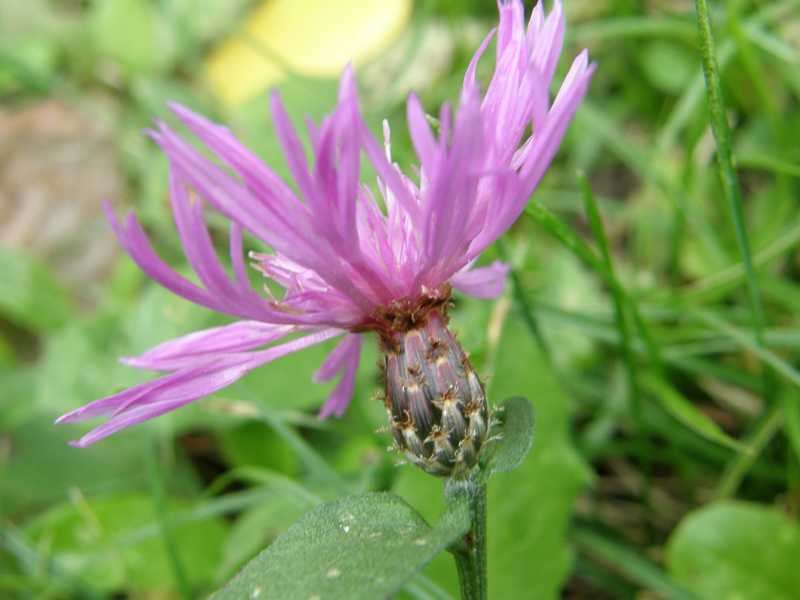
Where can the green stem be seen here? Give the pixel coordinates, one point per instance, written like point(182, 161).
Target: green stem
point(470, 550)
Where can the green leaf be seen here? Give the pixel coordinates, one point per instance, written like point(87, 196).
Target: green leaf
point(529, 509)
point(424, 493)
point(255, 528)
point(361, 546)
point(737, 550)
point(519, 429)
point(30, 294)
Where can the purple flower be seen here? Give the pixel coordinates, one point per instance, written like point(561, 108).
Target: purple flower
point(349, 263)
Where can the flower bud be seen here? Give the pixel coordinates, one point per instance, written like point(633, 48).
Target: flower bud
point(436, 403)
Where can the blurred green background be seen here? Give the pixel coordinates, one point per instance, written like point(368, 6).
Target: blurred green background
point(668, 436)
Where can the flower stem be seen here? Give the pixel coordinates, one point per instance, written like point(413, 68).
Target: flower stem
point(470, 550)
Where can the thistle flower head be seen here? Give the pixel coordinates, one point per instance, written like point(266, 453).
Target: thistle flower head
point(435, 401)
point(352, 260)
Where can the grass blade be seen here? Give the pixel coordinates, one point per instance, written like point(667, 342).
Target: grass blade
point(629, 563)
point(617, 294)
point(730, 180)
point(688, 414)
point(544, 217)
point(745, 341)
point(528, 312)
point(758, 439)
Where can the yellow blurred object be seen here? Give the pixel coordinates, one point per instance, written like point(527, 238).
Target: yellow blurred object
point(315, 38)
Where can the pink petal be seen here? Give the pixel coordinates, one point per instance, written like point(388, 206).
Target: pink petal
point(183, 351)
point(203, 377)
point(482, 282)
point(338, 357)
point(343, 358)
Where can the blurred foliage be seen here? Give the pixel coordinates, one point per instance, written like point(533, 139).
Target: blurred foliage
point(717, 560)
point(667, 455)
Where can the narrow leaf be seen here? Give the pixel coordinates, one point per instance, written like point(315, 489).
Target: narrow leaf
point(730, 179)
point(617, 295)
point(629, 563)
point(558, 229)
point(745, 341)
point(688, 414)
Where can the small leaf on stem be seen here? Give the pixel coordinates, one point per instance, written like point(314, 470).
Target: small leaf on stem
point(516, 437)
